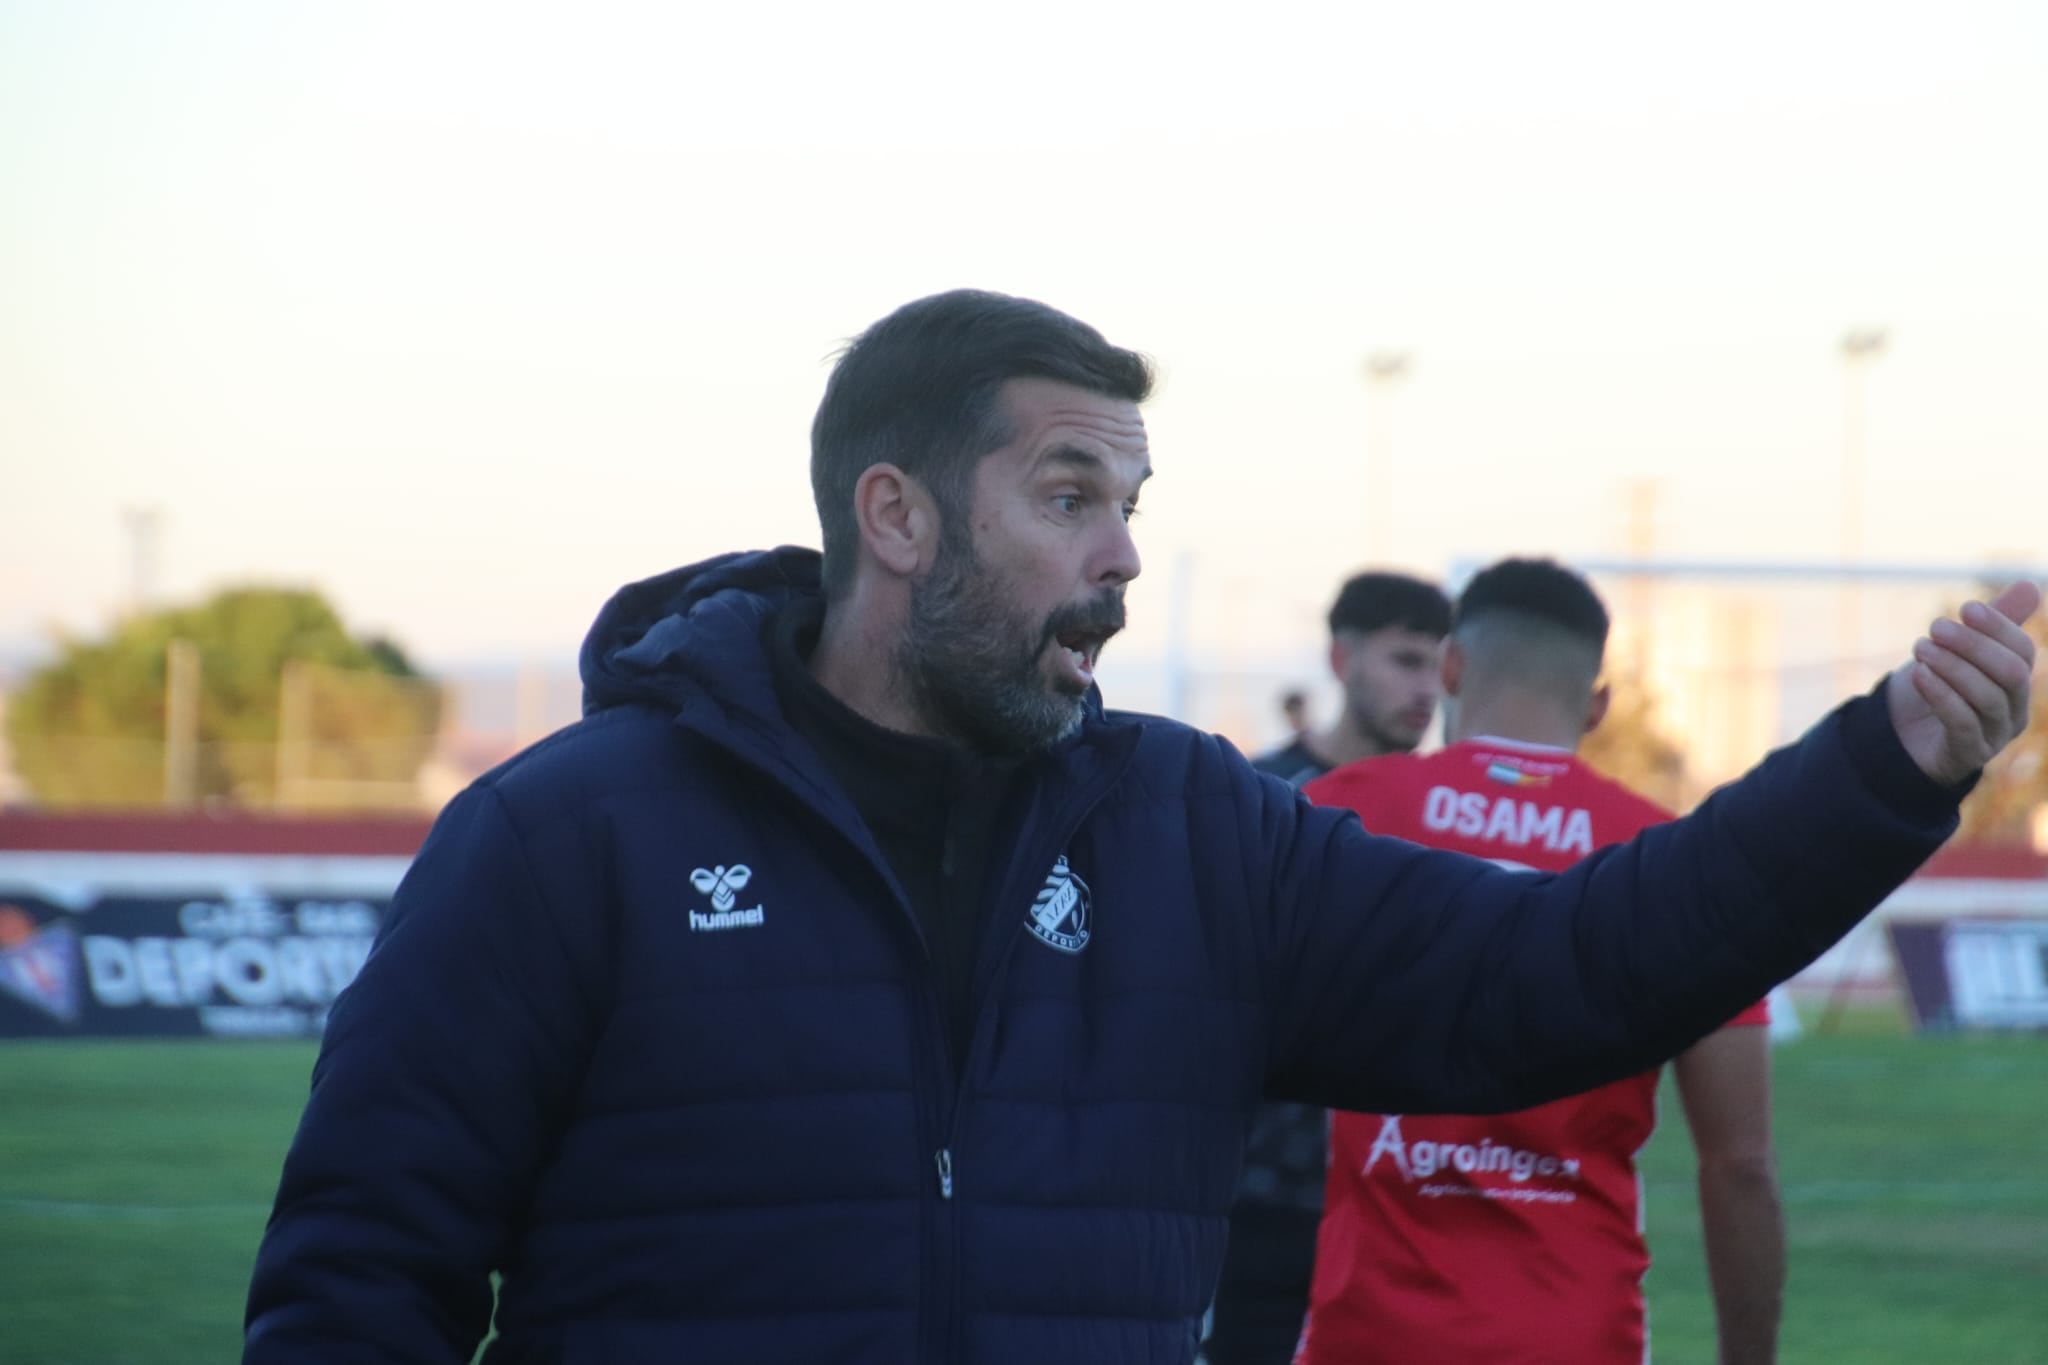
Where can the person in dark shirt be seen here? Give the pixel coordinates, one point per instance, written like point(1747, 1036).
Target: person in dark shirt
point(1386, 646)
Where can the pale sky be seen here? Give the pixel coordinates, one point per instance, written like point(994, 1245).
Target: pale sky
point(468, 314)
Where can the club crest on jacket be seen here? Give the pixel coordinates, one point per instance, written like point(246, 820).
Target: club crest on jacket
point(1059, 913)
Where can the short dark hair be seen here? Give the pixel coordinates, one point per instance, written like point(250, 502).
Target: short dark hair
point(1538, 589)
point(920, 388)
point(1378, 599)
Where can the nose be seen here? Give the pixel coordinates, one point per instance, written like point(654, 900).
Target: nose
point(1118, 561)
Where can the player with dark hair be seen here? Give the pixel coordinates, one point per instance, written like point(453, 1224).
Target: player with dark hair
point(1518, 1237)
point(1386, 638)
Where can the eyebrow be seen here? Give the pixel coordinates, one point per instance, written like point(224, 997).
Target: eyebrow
point(1074, 457)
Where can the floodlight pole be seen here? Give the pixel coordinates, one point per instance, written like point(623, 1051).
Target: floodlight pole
point(1384, 371)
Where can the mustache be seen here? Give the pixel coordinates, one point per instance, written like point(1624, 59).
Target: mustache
point(1101, 615)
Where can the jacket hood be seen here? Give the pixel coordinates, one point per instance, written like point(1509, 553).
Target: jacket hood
point(695, 630)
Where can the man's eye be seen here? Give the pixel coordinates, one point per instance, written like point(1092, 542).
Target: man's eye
point(1130, 511)
point(1068, 503)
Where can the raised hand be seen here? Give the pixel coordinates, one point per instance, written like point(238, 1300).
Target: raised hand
point(1965, 695)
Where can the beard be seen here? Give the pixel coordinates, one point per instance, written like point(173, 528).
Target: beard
point(1389, 733)
point(974, 663)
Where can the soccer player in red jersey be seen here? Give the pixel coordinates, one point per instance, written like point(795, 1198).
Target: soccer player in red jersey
point(1518, 1237)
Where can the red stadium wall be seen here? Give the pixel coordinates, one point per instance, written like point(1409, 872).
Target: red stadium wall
point(229, 925)
point(246, 925)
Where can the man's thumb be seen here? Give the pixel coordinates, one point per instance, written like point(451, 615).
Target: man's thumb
point(2018, 601)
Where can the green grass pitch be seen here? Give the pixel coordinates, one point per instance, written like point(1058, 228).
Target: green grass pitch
point(135, 1178)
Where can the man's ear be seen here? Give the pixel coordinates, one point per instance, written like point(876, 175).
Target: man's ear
point(898, 520)
point(1453, 667)
point(1596, 709)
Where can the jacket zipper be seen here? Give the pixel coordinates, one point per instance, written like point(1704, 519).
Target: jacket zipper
point(934, 1098)
point(943, 1332)
point(1016, 890)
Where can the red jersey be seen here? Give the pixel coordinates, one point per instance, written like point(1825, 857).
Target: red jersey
point(1510, 1237)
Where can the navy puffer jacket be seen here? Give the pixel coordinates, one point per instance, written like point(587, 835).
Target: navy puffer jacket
point(651, 1031)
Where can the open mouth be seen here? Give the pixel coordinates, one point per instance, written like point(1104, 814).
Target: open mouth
point(1080, 632)
point(1083, 647)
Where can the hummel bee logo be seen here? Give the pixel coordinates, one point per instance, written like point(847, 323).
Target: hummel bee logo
point(1059, 913)
point(720, 883)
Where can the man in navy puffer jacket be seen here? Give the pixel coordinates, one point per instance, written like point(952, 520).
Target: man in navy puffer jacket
point(850, 986)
